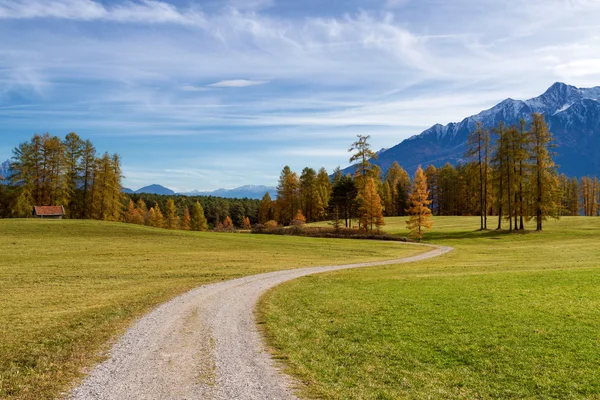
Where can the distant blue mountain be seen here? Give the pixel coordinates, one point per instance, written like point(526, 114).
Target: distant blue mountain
point(248, 191)
point(155, 189)
point(572, 113)
point(5, 171)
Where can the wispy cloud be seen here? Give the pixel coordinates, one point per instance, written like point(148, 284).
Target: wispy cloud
point(237, 83)
point(141, 11)
point(155, 74)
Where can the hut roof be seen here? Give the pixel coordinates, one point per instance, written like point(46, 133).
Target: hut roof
point(49, 211)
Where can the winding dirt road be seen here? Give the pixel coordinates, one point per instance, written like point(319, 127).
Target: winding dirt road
point(204, 345)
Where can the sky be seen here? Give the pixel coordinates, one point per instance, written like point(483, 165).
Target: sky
point(218, 94)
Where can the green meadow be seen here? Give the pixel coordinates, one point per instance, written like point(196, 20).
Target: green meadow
point(69, 288)
point(504, 316)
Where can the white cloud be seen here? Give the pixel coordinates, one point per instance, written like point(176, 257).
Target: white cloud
point(389, 72)
point(237, 83)
point(141, 11)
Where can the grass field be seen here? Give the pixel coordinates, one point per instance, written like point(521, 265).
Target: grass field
point(69, 287)
point(511, 316)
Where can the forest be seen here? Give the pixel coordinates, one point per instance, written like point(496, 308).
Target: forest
point(509, 173)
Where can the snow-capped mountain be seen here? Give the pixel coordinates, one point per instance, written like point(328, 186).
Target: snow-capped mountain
point(5, 170)
point(247, 191)
point(572, 113)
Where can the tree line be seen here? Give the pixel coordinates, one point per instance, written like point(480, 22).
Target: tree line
point(48, 170)
point(510, 174)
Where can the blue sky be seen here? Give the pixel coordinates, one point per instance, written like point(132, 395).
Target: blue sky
point(210, 94)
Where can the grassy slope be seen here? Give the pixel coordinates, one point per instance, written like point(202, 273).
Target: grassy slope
point(67, 287)
point(503, 316)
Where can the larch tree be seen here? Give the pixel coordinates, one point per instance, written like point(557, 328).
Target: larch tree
point(228, 224)
point(498, 162)
point(288, 199)
point(88, 163)
point(299, 219)
point(186, 221)
point(142, 210)
point(246, 224)
point(309, 198)
point(198, 221)
point(432, 183)
point(131, 214)
point(265, 209)
point(419, 211)
point(479, 150)
point(370, 209)
point(171, 217)
point(324, 188)
point(544, 178)
point(156, 216)
point(73, 148)
point(361, 158)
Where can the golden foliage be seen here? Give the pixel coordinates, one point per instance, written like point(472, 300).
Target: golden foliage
point(420, 214)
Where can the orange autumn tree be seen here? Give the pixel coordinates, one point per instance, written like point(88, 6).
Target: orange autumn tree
point(299, 219)
point(186, 221)
point(370, 210)
point(246, 224)
point(227, 224)
point(419, 212)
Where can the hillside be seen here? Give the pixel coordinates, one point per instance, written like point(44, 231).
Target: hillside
point(572, 113)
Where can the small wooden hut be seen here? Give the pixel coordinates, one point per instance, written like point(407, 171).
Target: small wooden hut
point(51, 212)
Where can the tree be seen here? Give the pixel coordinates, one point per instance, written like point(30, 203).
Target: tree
point(361, 157)
point(228, 224)
point(171, 217)
point(499, 169)
point(419, 212)
point(308, 193)
point(398, 181)
point(370, 209)
point(479, 150)
point(88, 163)
point(323, 193)
point(343, 199)
point(299, 219)
point(186, 221)
point(23, 206)
point(106, 198)
point(142, 211)
point(73, 148)
point(544, 181)
point(288, 200)
point(198, 220)
point(246, 224)
point(265, 209)
point(432, 183)
point(157, 218)
point(132, 214)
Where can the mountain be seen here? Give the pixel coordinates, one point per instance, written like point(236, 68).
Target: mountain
point(5, 169)
point(155, 189)
point(572, 113)
point(248, 191)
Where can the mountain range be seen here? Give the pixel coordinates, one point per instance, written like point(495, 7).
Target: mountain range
point(5, 169)
point(248, 191)
point(572, 113)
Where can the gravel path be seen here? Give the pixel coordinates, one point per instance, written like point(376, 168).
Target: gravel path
point(203, 345)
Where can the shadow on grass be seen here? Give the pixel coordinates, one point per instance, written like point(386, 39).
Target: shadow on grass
point(476, 234)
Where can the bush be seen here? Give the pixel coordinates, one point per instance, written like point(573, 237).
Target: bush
point(325, 232)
